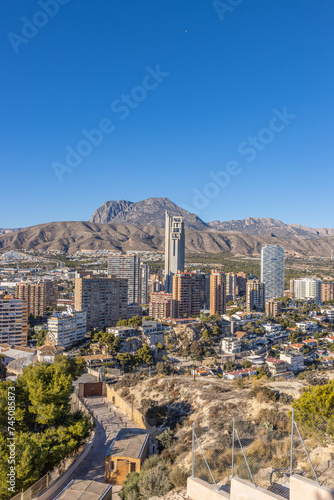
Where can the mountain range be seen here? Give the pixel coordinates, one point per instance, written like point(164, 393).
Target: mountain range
point(125, 225)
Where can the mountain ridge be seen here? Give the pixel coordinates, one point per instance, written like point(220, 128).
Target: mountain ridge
point(70, 237)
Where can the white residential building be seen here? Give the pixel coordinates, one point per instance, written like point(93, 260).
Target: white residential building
point(308, 288)
point(231, 345)
point(272, 271)
point(67, 328)
point(330, 314)
point(294, 361)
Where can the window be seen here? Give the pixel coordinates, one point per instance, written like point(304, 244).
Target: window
point(132, 467)
point(111, 465)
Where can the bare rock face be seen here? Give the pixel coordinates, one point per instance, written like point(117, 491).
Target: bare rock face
point(265, 226)
point(145, 212)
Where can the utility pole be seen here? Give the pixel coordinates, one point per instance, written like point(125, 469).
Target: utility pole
point(132, 408)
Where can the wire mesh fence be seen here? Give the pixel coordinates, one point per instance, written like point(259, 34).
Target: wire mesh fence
point(266, 451)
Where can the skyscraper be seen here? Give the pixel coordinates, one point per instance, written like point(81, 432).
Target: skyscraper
point(144, 277)
point(127, 266)
point(13, 320)
point(174, 249)
point(186, 294)
point(272, 270)
point(217, 293)
point(103, 299)
point(231, 286)
point(255, 296)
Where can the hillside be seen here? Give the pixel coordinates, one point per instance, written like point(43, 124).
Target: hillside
point(145, 212)
point(73, 236)
point(264, 226)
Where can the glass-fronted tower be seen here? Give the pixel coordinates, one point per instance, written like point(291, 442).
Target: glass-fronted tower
point(272, 271)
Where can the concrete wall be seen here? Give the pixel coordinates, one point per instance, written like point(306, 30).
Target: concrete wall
point(302, 488)
point(244, 490)
point(126, 407)
point(200, 490)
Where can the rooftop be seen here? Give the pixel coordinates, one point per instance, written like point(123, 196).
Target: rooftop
point(128, 443)
point(84, 490)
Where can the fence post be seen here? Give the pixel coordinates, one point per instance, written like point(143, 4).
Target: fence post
point(291, 448)
point(308, 456)
point(22, 494)
point(233, 447)
point(193, 452)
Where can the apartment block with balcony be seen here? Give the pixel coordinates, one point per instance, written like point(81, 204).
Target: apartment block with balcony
point(13, 321)
point(67, 328)
point(186, 294)
point(104, 299)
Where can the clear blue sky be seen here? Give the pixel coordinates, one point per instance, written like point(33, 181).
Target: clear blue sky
point(225, 77)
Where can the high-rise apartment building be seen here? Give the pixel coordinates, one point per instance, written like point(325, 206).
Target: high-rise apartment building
point(272, 270)
point(231, 286)
point(186, 294)
point(174, 248)
point(273, 308)
point(144, 278)
point(67, 328)
point(241, 283)
point(103, 299)
point(39, 295)
point(127, 266)
point(217, 293)
point(308, 288)
point(327, 291)
point(13, 320)
point(255, 296)
point(161, 305)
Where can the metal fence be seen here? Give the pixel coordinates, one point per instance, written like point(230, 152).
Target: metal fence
point(265, 451)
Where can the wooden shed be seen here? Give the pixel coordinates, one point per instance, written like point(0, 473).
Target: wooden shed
point(126, 454)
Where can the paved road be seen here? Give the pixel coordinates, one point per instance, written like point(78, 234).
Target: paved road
point(109, 420)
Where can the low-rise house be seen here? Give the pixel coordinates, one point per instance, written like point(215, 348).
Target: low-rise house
point(310, 343)
point(330, 339)
point(277, 367)
point(96, 360)
point(272, 327)
point(307, 326)
point(327, 361)
point(256, 360)
point(48, 353)
point(246, 372)
point(123, 332)
point(126, 454)
point(241, 335)
point(297, 347)
point(294, 361)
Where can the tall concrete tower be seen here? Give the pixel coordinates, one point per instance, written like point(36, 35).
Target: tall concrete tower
point(174, 248)
point(272, 271)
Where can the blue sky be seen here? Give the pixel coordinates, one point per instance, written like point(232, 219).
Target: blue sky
point(225, 71)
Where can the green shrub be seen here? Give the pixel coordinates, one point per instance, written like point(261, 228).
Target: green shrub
point(178, 477)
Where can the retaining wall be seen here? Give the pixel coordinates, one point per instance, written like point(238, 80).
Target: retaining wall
point(300, 489)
